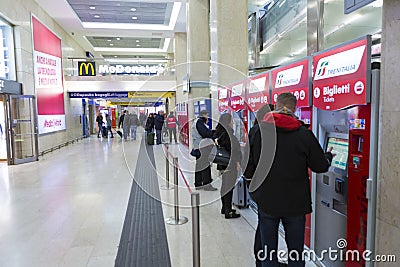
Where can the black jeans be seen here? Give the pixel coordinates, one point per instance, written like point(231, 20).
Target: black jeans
point(294, 237)
point(202, 175)
point(159, 136)
point(229, 177)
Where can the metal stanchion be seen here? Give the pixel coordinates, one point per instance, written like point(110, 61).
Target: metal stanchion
point(166, 186)
point(176, 219)
point(195, 200)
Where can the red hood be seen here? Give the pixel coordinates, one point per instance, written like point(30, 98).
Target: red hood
point(284, 121)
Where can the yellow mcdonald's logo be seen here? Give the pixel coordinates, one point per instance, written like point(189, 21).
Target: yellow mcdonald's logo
point(86, 68)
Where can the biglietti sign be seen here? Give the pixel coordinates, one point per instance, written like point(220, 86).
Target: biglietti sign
point(341, 77)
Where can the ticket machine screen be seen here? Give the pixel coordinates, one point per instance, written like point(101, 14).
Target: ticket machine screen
point(340, 148)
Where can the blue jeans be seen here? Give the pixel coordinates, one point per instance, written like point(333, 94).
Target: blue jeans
point(133, 132)
point(294, 237)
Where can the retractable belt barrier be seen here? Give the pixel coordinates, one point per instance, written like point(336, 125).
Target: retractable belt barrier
point(195, 206)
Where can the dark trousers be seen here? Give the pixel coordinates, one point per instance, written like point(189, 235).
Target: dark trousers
point(202, 175)
point(294, 236)
point(229, 177)
point(257, 245)
point(172, 131)
point(100, 125)
point(159, 136)
point(109, 130)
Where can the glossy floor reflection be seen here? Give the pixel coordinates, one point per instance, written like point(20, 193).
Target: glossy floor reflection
point(67, 209)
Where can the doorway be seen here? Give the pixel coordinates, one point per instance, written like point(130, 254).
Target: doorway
point(3, 129)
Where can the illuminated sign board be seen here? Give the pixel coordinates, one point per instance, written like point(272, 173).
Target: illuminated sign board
point(258, 91)
point(292, 78)
point(131, 69)
point(86, 68)
point(342, 75)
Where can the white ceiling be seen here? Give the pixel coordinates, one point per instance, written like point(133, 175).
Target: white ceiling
point(142, 28)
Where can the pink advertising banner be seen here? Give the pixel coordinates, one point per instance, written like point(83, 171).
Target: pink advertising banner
point(48, 75)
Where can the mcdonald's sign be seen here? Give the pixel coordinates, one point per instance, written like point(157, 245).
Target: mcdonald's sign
point(86, 68)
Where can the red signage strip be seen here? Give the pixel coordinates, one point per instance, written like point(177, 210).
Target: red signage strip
point(342, 75)
point(237, 96)
point(293, 78)
point(258, 93)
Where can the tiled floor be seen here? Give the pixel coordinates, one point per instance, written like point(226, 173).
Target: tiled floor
point(68, 209)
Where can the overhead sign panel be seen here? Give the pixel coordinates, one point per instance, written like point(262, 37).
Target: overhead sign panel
point(139, 94)
point(293, 78)
point(342, 75)
point(237, 98)
point(223, 99)
point(258, 91)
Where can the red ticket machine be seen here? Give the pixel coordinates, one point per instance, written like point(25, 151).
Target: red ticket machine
point(345, 97)
point(295, 78)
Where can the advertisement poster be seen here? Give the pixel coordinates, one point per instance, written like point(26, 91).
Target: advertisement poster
point(292, 78)
point(47, 59)
point(258, 91)
point(237, 96)
point(341, 77)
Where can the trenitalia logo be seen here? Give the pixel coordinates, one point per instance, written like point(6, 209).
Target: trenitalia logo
point(289, 77)
point(86, 68)
point(322, 68)
point(339, 64)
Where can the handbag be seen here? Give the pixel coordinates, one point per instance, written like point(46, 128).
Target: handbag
point(219, 155)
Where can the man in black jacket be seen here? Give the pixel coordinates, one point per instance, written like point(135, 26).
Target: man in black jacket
point(158, 125)
point(280, 185)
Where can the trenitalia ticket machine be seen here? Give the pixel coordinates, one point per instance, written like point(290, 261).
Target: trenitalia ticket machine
point(345, 117)
point(257, 95)
point(295, 78)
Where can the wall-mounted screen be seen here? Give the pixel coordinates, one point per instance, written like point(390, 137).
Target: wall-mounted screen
point(340, 148)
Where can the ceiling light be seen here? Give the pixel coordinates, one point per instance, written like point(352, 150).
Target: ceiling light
point(138, 45)
point(115, 56)
point(118, 38)
point(109, 40)
point(92, 7)
point(133, 9)
point(134, 17)
point(137, 41)
point(111, 44)
point(96, 16)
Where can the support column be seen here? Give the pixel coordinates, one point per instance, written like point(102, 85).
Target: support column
point(315, 26)
point(180, 53)
point(388, 202)
point(198, 52)
point(229, 44)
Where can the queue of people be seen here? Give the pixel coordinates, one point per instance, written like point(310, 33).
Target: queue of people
point(279, 152)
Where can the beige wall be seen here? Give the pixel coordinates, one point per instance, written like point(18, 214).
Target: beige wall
point(18, 13)
point(388, 210)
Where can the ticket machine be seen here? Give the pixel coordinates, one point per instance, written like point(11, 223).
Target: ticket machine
point(345, 117)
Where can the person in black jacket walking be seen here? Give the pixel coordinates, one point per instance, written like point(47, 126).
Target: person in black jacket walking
point(226, 138)
point(158, 124)
point(280, 185)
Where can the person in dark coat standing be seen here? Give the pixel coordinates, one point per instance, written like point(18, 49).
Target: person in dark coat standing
point(225, 138)
point(149, 127)
point(250, 169)
point(99, 120)
point(281, 185)
point(202, 145)
point(158, 125)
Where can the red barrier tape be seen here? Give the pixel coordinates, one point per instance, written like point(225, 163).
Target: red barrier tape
point(180, 170)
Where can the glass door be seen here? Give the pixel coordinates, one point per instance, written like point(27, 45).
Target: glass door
point(23, 134)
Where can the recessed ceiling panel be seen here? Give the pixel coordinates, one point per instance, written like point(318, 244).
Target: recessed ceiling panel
point(126, 42)
point(108, 11)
